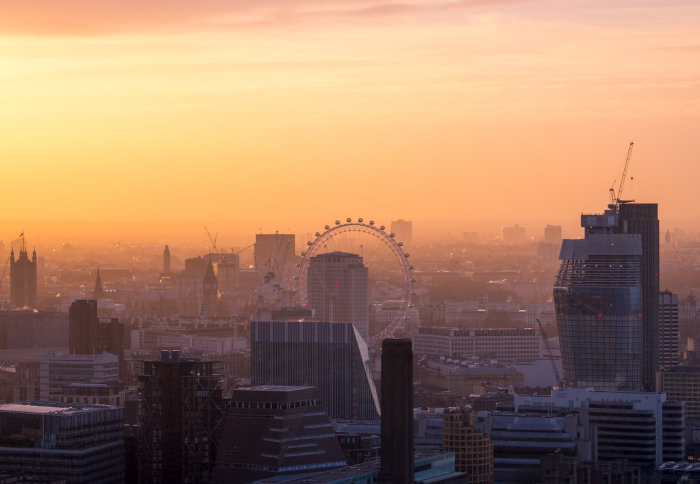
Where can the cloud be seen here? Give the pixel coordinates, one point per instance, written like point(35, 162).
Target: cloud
point(101, 17)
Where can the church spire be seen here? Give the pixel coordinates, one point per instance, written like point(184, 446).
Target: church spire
point(98, 292)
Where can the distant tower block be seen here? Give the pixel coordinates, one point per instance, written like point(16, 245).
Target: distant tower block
point(552, 234)
point(210, 291)
point(22, 279)
point(403, 230)
point(166, 260)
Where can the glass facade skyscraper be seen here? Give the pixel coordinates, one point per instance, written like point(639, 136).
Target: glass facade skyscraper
point(598, 300)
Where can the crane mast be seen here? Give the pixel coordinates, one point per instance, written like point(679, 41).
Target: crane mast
point(615, 199)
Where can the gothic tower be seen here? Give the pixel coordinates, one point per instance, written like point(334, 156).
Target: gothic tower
point(22, 279)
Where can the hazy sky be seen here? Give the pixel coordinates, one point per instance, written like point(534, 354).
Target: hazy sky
point(458, 114)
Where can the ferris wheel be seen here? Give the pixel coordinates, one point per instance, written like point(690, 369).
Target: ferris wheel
point(390, 273)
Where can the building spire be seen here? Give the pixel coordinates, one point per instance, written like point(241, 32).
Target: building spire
point(98, 292)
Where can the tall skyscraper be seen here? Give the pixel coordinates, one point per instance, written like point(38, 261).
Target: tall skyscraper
point(82, 327)
point(598, 301)
point(166, 260)
point(22, 279)
point(180, 415)
point(330, 356)
point(397, 412)
point(668, 330)
point(643, 219)
point(210, 291)
point(338, 290)
point(403, 229)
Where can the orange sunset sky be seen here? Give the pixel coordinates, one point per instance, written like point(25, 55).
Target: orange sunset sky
point(287, 114)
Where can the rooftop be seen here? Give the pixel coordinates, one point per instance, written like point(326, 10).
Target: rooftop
point(53, 408)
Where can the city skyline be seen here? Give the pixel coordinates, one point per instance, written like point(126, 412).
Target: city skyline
point(423, 110)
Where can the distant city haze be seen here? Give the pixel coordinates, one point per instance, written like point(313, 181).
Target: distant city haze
point(152, 120)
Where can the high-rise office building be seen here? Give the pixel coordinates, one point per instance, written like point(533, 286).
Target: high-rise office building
point(210, 291)
point(598, 301)
point(338, 290)
point(403, 230)
point(180, 416)
point(397, 412)
point(552, 234)
point(668, 330)
point(275, 430)
point(22, 279)
point(88, 334)
point(330, 356)
point(55, 442)
point(166, 260)
point(643, 219)
point(59, 371)
point(513, 235)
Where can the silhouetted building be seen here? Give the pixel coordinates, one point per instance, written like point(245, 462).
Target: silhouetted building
point(329, 356)
point(338, 290)
point(98, 292)
point(210, 291)
point(597, 296)
point(643, 219)
point(668, 330)
point(166, 260)
point(397, 412)
point(78, 443)
point(22, 279)
point(552, 234)
point(33, 329)
point(82, 327)
point(403, 230)
point(180, 415)
point(275, 430)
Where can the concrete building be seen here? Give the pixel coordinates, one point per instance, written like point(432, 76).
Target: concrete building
point(180, 416)
point(643, 428)
point(513, 235)
point(329, 356)
point(77, 443)
point(58, 371)
point(338, 290)
point(468, 379)
point(504, 345)
point(682, 384)
point(275, 431)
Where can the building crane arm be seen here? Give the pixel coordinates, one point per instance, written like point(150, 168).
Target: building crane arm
point(624, 172)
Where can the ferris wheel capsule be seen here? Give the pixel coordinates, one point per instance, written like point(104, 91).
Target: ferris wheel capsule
point(371, 222)
point(411, 267)
point(359, 219)
point(400, 244)
point(348, 220)
point(407, 254)
point(308, 242)
point(326, 227)
point(317, 234)
point(392, 235)
point(382, 227)
point(337, 222)
point(302, 254)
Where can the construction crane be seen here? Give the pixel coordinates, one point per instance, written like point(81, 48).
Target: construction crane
point(616, 200)
point(234, 251)
point(212, 240)
point(560, 383)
